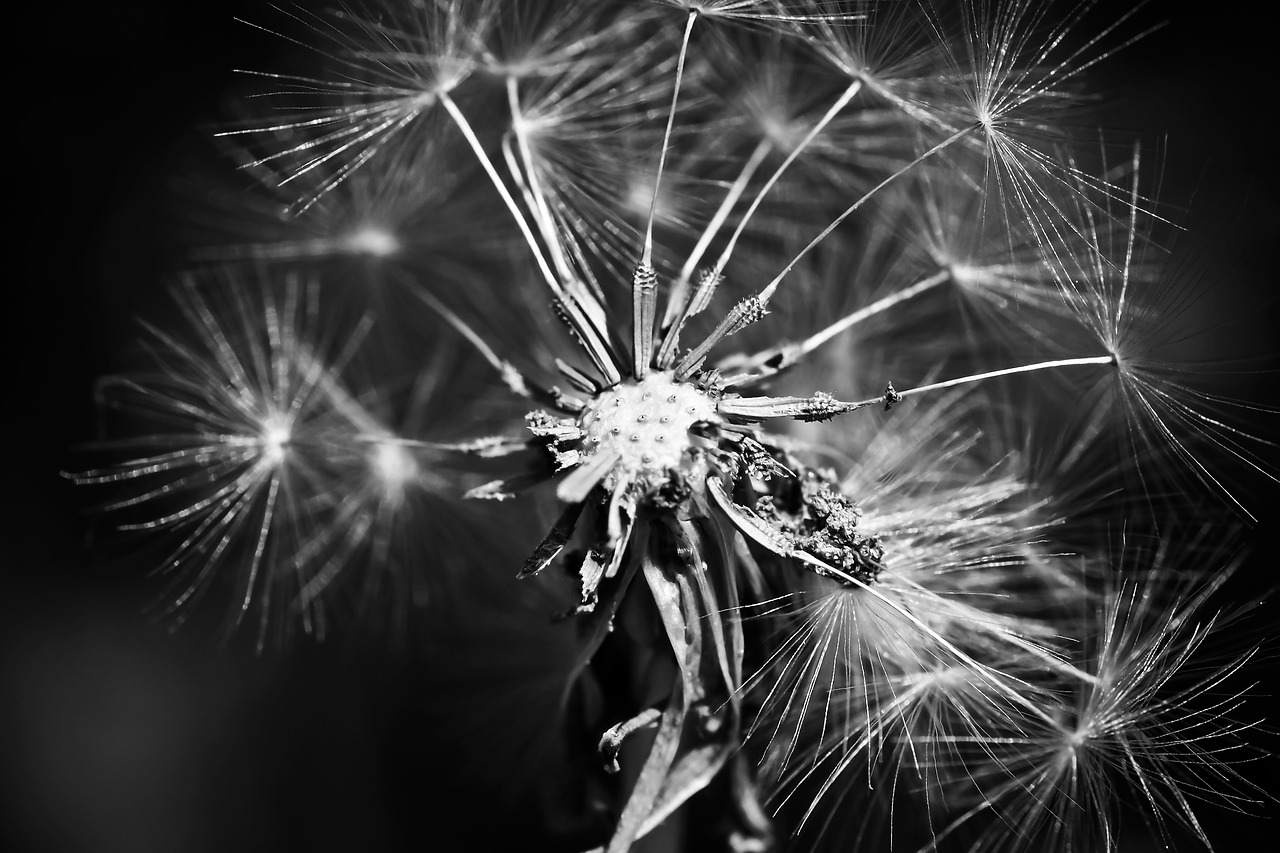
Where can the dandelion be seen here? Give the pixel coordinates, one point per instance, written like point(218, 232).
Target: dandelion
point(1021, 74)
point(967, 580)
point(266, 476)
point(407, 208)
point(1135, 303)
point(393, 72)
point(808, 563)
point(1153, 719)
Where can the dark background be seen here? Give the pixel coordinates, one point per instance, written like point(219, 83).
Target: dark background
point(117, 737)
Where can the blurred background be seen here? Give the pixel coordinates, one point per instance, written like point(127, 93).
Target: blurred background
point(118, 737)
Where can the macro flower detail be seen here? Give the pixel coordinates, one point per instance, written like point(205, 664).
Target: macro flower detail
point(760, 314)
point(264, 465)
point(656, 443)
point(815, 518)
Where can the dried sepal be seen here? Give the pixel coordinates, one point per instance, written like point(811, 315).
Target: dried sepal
point(819, 520)
point(761, 462)
point(495, 490)
point(819, 407)
point(490, 446)
point(747, 522)
point(589, 474)
point(555, 429)
point(589, 572)
point(611, 741)
point(553, 543)
point(818, 530)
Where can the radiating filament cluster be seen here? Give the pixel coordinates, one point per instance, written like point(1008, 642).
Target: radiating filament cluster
point(816, 318)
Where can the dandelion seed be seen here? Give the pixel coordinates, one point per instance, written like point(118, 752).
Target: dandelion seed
point(1020, 77)
point(409, 216)
point(763, 12)
point(954, 594)
point(572, 133)
point(375, 242)
point(239, 470)
point(394, 465)
point(887, 48)
point(1144, 724)
point(275, 439)
point(268, 478)
point(392, 72)
point(1137, 306)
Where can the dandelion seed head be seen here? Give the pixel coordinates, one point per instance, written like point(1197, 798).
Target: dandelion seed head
point(729, 9)
point(638, 199)
point(393, 465)
point(276, 434)
point(965, 275)
point(986, 118)
point(373, 241)
point(781, 130)
point(646, 423)
point(1076, 739)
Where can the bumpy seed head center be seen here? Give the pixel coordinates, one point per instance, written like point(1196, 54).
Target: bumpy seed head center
point(646, 423)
